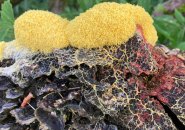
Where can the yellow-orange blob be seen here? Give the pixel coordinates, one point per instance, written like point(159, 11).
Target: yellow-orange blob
point(143, 19)
point(104, 24)
point(110, 23)
point(40, 31)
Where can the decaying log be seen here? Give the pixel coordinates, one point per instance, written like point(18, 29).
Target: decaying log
point(130, 86)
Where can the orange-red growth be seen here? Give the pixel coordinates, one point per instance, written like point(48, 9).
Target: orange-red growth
point(27, 99)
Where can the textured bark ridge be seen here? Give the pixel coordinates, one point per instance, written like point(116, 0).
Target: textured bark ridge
point(126, 87)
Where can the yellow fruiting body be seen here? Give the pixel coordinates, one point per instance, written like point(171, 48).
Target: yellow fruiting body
point(40, 31)
point(143, 19)
point(150, 34)
point(104, 24)
point(2, 46)
point(107, 23)
point(110, 23)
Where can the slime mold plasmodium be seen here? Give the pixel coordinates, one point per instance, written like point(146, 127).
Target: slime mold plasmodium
point(143, 21)
point(110, 24)
point(40, 31)
point(104, 24)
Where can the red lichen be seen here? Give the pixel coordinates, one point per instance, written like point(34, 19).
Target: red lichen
point(164, 80)
point(154, 70)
